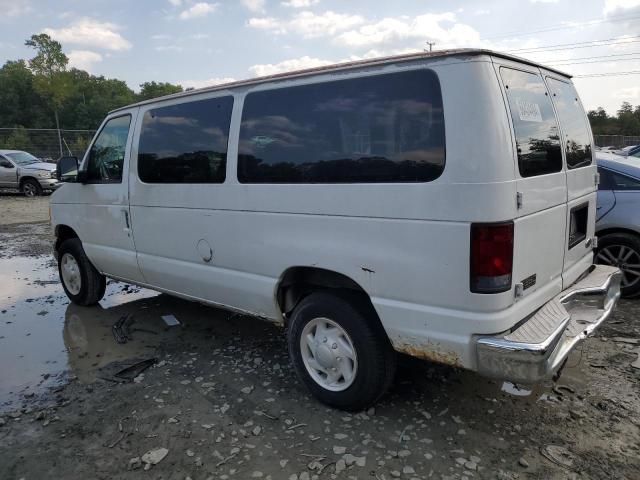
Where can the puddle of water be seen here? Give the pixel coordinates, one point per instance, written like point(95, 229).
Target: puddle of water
point(42, 335)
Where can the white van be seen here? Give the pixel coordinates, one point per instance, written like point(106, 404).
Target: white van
point(437, 204)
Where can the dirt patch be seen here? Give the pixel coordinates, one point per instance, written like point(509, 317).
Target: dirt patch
point(17, 209)
point(224, 402)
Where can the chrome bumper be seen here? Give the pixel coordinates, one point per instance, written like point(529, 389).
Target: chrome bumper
point(537, 347)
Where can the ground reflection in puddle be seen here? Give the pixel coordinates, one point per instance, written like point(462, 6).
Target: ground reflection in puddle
point(42, 335)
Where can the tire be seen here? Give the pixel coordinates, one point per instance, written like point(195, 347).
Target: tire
point(31, 188)
point(622, 250)
point(375, 360)
point(84, 285)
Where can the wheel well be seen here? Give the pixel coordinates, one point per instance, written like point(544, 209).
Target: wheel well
point(609, 231)
point(298, 282)
point(63, 232)
point(24, 179)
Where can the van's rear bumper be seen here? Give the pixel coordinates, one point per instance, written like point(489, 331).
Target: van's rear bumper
point(537, 347)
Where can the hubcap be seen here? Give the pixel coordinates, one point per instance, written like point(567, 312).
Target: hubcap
point(623, 257)
point(29, 190)
point(70, 273)
point(328, 354)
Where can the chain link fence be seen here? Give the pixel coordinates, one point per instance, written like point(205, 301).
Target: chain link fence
point(617, 141)
point(47, 144)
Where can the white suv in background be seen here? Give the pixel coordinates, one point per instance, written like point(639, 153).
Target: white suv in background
point(437, 204)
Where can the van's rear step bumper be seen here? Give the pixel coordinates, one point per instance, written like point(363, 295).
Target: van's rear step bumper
point(538, 347)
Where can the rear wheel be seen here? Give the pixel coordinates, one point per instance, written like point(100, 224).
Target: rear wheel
point(31, 188)
point(82, 283)
point(339, 351)
point(622, 250)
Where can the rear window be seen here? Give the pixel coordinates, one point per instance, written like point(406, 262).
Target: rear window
point(185, 143)
point(386, 128)
point(573, 122)
point(536, 130)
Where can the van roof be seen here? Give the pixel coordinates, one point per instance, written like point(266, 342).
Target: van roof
point(458, 52)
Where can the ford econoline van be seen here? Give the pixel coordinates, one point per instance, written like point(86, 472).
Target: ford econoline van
point(441, 205)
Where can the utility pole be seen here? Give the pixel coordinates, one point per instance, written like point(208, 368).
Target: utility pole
point(431, 44)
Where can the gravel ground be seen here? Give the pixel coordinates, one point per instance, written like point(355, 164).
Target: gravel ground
point(15, 208)
point(222, 401)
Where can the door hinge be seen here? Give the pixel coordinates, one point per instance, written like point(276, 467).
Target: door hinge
point(596, 178)
point(519, 199)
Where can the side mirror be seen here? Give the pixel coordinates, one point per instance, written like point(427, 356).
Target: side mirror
point(68, 169)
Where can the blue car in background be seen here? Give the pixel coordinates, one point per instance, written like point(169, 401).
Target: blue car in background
point(630, 151)
point(618, 218)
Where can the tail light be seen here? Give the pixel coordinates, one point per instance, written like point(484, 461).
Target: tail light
point(491, 257)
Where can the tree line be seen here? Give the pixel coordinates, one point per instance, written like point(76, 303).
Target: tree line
point(625, 122)
point(43, 92)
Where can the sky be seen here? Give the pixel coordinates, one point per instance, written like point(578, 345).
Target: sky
point(204, 42)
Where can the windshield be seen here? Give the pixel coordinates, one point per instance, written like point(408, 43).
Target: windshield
point(22, 158)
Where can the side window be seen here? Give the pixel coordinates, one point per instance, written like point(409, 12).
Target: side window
point(620, 181)
point(106, 156)
point(573, 121)
point(185, 143)
point(534, 122)
point(385, 128)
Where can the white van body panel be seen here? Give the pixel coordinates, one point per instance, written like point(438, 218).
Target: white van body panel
point(97, 213)
point(406, 245)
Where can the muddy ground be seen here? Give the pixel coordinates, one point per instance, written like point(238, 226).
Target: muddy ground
point(224, 402)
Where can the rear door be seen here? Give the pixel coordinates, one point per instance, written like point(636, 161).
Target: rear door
point(540, 226)
point(581, 177)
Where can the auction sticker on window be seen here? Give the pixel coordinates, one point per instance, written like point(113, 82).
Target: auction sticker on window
point(528, 111)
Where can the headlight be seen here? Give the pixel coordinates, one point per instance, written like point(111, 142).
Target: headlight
point(43, 174)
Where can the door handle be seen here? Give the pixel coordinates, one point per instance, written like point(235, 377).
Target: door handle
point(125, 216)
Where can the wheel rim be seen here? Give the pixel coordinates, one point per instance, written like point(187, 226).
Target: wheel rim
point(29, 190)
point(328, 354)
point(71, 274)
point(625, 258)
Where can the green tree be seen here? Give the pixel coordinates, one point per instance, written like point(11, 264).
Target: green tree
point(150, 90)
point(18, 140)
point(49, 67)
point(20, 104)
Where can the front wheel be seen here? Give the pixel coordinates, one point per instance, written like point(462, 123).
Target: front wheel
point(31, 188)
point(82, 283)
point(340, 351)
point(622, 250)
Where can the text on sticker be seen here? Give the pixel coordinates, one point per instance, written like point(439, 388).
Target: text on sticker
point(528, 111)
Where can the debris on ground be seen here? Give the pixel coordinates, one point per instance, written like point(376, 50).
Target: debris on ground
point(131, 372)
point(170, 320)
point(153, 457)
point(120, 329)
point(558, 455)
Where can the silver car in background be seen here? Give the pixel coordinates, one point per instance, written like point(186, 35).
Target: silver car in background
point(22, 171)
point(618, 218)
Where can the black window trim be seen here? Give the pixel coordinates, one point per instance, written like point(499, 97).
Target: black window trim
point(357, 75)
point(567, 81)
point(187, 100)
point(88, 154)
point(616, 172)
point(514, 137)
